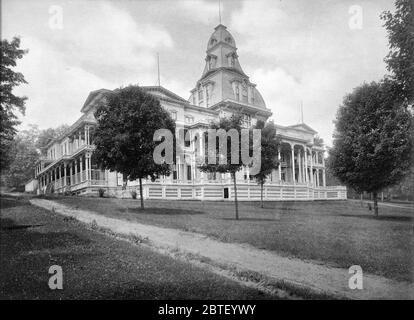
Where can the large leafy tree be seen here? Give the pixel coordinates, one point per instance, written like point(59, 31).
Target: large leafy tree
point(269, 153)
point(24, 156)
point(9, 103)
point(226, 124)
point(400, 59)
point(124, 134)
point(47, 135)
point(372, 145)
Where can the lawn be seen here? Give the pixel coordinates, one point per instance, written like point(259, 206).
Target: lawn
point(95, 266)
point(340, 233)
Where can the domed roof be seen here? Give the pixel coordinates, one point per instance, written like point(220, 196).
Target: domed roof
point(220, 34)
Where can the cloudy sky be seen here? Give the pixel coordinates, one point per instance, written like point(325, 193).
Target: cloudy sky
point(309, 51)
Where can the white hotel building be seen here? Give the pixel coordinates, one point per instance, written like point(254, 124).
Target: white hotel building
point(222, 89)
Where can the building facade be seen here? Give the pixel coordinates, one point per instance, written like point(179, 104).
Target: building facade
point(222, 90)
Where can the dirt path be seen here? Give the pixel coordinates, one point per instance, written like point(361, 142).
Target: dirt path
point(318, 278)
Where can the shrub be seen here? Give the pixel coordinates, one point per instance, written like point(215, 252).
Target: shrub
point(134, 194)
point(101, 192)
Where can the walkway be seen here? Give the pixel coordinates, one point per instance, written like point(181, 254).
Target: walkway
point(319, 278)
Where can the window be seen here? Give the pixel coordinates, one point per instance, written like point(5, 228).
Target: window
point(187, 143)
point(173, 114)
point(213, 41)
point(232, 61)
point(189, 119)
point(200, 95)
point(247, 120)
point(237, 92)
point(228, 40)
point(188, 172)
point(207, 95)
point(244, 94)
point(211, 63)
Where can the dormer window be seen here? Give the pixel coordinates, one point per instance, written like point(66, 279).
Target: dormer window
point(231, 59)
point(211, 62)
point(244, 93)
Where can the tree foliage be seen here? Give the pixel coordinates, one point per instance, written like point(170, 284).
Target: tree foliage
point(9, 103)
point(124, 134)
point(269, 153)
point(226, 123)
point(24, 156)
point(400, 59)
point(47, 135)
point(372, 144)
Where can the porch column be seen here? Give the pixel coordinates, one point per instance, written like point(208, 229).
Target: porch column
point(201, 153)
point(89, 138)
point(88, 166)
point(306, 166)
point(86, 134)
point(317, 177)
point(279, 169)
point(71, 173)
point(300, 166)
point(76, 171)
point(323, 177)
point(323, 171)
point(64, 175)
point(82, 167)
point(311, 167)
point(293, 163)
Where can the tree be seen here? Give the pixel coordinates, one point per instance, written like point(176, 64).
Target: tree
point(233, 122)
point(9, 103)
point(47, 135)
point(372, 144)
point(269, 153)
point(318, 141)
point(400, 59)
point(123, 137)
point(24, 156)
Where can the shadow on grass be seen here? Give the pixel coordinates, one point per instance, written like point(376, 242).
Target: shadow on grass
point(161, 211)
point(9, 202)
point(25, 239)
point(379, 218)
point(250, 219)
point(21, 226)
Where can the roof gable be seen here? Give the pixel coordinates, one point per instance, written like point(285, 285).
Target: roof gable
point(303, 127)
point(93, 97)
point(163, 93)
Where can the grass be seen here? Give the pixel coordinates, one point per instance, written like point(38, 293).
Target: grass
point(94, 265)
point(340, 233)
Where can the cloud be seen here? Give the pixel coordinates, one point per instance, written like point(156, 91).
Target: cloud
point(200, 11)
point(56, 91)
point(306, 52)
point(100, 45)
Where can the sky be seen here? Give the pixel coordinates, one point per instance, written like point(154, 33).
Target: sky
point(298, 52)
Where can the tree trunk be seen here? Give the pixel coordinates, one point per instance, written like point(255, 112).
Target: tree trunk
point(375, 196)
point(362, 203)
point(235, 195)
point(140, 193)
point(261, 195)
